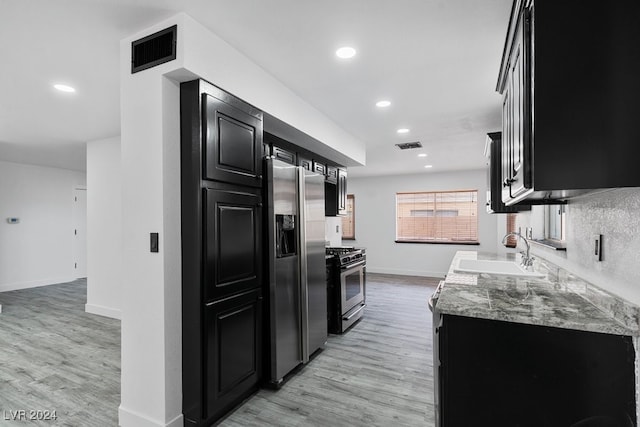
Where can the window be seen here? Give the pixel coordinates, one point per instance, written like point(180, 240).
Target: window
point(437, 217)
point(349, 221)
point(512, 241)
point(555, 222)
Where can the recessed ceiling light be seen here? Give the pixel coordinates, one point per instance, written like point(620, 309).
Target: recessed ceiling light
point(428, 166)
point(64, 88)
point(346, 52)
point(403, 130)
point(422, 155)
point(383, 104)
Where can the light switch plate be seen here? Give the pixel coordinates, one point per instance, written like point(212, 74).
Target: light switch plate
point(154, 242)
point(596, 241)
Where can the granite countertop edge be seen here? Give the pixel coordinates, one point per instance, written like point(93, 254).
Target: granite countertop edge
point(560, 300)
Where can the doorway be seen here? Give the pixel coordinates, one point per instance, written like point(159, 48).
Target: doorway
point(80, 232)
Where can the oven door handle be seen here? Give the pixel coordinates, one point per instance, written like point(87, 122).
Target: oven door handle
point(355, 312)
point(353, 266)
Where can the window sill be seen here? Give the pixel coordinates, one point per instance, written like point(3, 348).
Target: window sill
point(436, 242)
point(551, 244)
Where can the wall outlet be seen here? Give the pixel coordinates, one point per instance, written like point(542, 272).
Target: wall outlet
point(596, 241)
point(528, 233)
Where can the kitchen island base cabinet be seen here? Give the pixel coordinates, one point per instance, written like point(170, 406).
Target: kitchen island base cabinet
point(495, 373)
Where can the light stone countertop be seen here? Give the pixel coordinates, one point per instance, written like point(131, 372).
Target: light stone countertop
point(560, 300)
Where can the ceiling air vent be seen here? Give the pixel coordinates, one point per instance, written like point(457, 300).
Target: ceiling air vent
point(153, 50)
point(409, 145)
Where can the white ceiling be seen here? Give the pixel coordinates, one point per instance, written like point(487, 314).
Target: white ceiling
point(436, 60)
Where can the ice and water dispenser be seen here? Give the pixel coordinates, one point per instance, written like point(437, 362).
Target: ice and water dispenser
point(285, 236)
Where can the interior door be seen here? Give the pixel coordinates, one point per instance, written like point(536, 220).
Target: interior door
point(80, 232)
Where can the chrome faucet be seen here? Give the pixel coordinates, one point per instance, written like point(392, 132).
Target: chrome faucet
point(527, 259)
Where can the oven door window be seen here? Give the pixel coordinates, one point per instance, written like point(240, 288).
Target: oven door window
point(352, 291)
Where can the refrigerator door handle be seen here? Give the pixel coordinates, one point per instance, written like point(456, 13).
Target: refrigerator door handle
point(304, 291)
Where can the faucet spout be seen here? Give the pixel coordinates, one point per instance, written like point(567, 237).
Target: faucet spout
point(527, 259)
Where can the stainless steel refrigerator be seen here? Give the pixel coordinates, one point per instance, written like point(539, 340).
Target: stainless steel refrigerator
point(297, 271)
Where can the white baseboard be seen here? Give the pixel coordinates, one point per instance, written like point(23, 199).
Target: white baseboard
point(5, 287)
point(128, 418)
point(100, 310)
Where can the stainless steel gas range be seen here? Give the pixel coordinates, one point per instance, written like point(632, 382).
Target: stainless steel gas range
point(346, 286)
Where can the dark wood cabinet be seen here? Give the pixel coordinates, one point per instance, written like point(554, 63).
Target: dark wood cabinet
point(335, 176)
point(233, 350)
point(233, 240)
point(493, 152)
point(336, 195)
point(332, 174)
point(342, 191)
point(233, 140)
point(515, 120)
point(574, 130)
point(305, 163)
point(222, 235)
point(284, 155)
point(320, 168)
point(508, 374)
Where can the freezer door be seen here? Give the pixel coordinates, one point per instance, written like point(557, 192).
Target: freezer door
point(284, 277)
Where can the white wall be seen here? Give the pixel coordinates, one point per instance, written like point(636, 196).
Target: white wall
point(39, 250)
point(376, 222)
point(151, 385)
point(213, 59)
point(333, 230)
point(615, 215)
point(104, 228)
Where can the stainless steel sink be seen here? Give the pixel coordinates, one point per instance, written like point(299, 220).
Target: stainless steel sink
point(500, 268)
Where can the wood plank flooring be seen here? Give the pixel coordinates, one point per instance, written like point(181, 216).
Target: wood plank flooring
point(54, 356)
point(377, 374)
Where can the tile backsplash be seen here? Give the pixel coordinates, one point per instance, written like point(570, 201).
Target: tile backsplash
point(615, 214)
point(333, 230)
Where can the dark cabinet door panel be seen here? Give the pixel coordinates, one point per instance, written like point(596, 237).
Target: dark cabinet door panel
point(342, 192)
point(503, 373)
point(221, 197)
point(233, 350)
point(284, 155)
point(233, 144)
point(332, 174)
point(305, 163)
point(319, 168)
point(336, 195)
point(233, 241)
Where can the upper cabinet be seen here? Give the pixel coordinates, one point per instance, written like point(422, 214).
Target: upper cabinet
point(233, 139)
point(284, 155)
point(335, 176)
point(336, 194)
point(493, 152)
point(571, 98)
